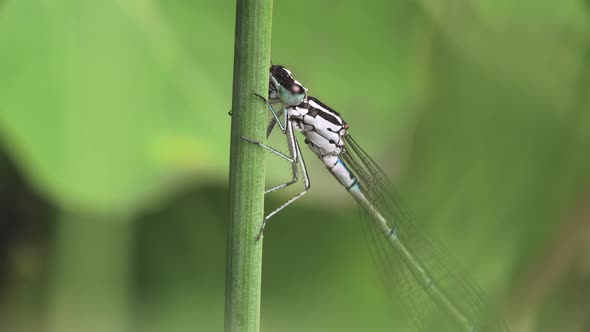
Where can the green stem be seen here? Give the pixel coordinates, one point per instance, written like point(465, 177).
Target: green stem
point(249, 119)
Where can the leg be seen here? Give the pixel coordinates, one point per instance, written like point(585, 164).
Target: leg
point(294, 152)
point(273, 150)
point(292, 143)
point(275, 116)
point(286, 184)
point(307, 186)
point(292, 160)
point(273, 121)
point(271, 126)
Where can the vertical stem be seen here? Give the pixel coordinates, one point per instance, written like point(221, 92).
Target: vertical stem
point(249, 117)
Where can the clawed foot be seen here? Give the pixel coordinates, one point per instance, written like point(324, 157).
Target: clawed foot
point(259, 236)
point(250, 140)
point(261, 97)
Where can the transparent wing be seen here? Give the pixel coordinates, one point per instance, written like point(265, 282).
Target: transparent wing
point(397, 279)
point(425, 313)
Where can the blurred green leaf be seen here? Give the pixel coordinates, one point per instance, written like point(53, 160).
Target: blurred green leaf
point(478, 110)
point(101, 104)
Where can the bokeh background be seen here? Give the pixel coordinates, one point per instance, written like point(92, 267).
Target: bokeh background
point(115, 146)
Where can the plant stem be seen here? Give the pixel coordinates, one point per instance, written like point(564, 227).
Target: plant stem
point(249, 119)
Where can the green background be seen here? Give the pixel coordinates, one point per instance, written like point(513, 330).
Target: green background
point(115, 149)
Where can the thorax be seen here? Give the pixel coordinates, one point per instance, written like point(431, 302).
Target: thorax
point(323, 127)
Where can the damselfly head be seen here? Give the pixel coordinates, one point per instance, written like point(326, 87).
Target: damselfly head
point(284, 88)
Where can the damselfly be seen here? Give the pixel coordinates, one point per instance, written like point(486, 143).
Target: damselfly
point(427, 282)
